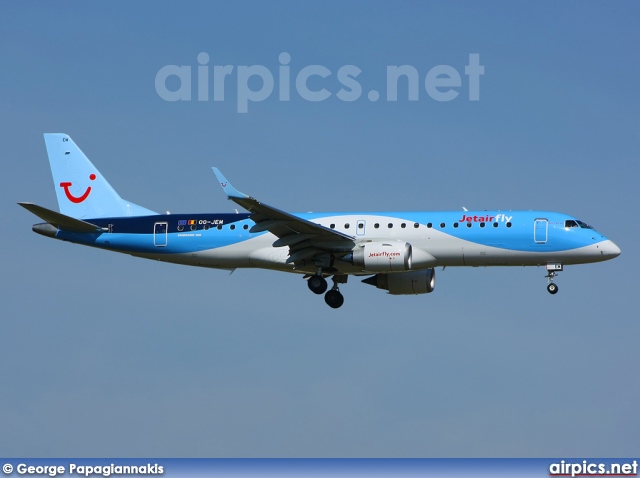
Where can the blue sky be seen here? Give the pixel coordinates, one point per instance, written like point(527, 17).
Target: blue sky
point(108, 355)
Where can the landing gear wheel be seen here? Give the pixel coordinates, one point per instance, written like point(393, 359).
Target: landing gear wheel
point(317, 284)
point(552, 272)
point(334, 299)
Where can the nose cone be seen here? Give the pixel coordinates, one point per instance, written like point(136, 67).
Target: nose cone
point(610, 250)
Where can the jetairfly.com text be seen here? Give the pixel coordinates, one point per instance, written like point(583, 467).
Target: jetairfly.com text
point(255, 83)
point(390, 255)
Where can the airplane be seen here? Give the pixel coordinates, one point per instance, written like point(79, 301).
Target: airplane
point(394, 251)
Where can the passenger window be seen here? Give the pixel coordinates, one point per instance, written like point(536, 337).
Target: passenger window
point(245, 227)
point(508, 224)
point(429, 225)
point(468, 224)
point(442, 225)
point(376, 225)
point(455, 224)
point(360, 226)
point(232, 227)
point(193, 227)
point(332, 226)
point(403, 225)
point(482, 224)
point(206, 227)
point(495, 224)
point(180, 228)
point(416, 225)
point(219, 227)
point(390, 225)
point(346, 226)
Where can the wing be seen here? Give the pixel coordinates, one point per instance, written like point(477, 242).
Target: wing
point(306, 240)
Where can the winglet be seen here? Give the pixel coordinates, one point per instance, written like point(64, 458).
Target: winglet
point(229, 190)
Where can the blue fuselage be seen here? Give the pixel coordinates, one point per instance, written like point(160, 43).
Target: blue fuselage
point(466, 238)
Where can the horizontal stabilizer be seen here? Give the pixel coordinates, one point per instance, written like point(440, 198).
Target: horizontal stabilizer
point(60, 221)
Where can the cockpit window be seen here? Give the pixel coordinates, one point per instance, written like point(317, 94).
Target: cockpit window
point(570, 223)
point(584, 225)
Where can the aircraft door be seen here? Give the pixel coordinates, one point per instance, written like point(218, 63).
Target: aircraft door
point(540, 231)
point(160, 233)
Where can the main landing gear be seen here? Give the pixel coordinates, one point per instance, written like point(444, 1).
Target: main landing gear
point(318, 285)
point(552, 271)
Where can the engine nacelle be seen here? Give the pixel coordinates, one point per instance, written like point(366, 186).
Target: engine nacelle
point(404, 283)
point(390, 257)
point(383, 256)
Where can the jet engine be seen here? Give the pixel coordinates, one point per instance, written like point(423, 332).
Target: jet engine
point(405, 283)
point(390, 257)
point(383, 256)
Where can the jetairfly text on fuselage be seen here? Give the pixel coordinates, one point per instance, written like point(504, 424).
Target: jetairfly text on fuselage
point(497, 217)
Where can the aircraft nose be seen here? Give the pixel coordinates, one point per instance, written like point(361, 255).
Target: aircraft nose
point(610, 249)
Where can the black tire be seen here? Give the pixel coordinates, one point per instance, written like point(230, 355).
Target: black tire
point(334, 299)
point(552, 288)
point(317, 284)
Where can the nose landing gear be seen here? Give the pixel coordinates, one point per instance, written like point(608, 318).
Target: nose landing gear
point(552, 271)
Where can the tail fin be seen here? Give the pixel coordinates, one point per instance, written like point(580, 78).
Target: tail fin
point(81, 190)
